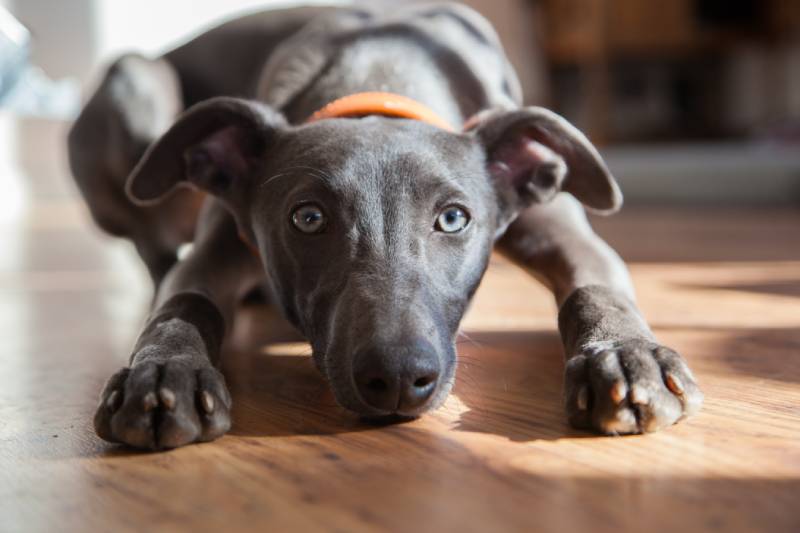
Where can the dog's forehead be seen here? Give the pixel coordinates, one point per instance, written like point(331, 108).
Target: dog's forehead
point(346, 153)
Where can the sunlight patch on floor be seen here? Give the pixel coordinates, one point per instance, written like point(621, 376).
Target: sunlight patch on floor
point(284, 349)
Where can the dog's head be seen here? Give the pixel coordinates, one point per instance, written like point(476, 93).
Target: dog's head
point(374, 232)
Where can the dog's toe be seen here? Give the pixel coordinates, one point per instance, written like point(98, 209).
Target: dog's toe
point(215, 402)
point(110, 401)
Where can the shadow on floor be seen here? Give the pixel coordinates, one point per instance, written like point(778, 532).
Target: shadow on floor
point(508, 384)
point(768, 353)
point(781, 287)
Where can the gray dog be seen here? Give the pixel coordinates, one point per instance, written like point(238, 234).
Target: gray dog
point(370, 227)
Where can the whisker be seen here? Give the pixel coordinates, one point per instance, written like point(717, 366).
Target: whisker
point(470, 339)
point(477, 361)
point(469, 366)
point(316, 173)
point(271, 178)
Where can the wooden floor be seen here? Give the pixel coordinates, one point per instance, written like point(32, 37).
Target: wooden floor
point(721, 287)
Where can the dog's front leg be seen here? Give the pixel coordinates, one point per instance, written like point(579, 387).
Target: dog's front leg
point(172, 393)
point(618, 378)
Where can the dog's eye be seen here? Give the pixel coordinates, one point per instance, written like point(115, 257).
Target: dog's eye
point(452, 219)
point(309, 218)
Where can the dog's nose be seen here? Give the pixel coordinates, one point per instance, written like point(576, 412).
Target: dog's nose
point(397, 379)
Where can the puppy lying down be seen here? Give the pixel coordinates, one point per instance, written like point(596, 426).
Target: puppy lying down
point(361, 165)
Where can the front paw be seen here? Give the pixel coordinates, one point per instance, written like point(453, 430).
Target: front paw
point(163, 405)
point(633, 386)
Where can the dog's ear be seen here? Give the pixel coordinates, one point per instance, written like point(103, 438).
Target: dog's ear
point(533, 153)
point(216, 145)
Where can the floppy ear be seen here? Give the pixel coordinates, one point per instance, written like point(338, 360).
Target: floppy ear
point(533, 153)
point(215, 145)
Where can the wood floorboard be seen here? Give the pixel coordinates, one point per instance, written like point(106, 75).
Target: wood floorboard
point(722, 287)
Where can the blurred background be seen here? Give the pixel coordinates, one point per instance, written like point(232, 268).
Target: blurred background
point(693, 102)
point(695, 105)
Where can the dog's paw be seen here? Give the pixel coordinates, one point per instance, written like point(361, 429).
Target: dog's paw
point(634, 386)
point(163, 405)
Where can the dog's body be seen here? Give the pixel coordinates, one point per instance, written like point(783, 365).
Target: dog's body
point(371, 234)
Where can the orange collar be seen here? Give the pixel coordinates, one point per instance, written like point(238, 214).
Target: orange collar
point(378, 103)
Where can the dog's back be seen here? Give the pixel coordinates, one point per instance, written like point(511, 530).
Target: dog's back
point(444, 55)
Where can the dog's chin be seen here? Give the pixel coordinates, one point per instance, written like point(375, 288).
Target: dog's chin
point(354, 404)
point(375, 416)
point(387, 420)
point(378, 416)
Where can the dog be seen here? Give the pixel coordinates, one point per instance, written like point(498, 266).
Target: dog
point(362, 166)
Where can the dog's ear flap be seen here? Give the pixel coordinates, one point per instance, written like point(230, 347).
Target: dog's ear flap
point(533, 153)
point(215, 145)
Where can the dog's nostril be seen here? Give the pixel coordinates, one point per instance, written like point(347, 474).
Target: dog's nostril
point(377, 385)
point(424, 381)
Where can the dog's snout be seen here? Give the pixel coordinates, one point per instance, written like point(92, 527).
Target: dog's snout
point(394, 379)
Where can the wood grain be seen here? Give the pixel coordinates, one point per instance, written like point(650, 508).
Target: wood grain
point(722, 287)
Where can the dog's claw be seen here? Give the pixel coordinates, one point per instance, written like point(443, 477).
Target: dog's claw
point(583, 398)
point(114, 400)
point(149, 402)
point(639, 395)
point(618, 392)
point(207, 401)
point(674, 384)
point(167, 398)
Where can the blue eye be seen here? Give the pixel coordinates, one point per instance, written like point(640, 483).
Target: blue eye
point(309, 218)
point(452, 219)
